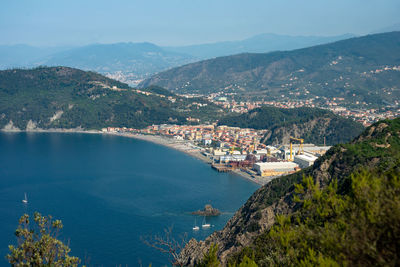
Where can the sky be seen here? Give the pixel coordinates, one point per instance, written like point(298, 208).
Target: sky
point(184, 22)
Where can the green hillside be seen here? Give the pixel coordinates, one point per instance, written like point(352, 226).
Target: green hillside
point(61, 97)
point(364, 69)
point(312, 124)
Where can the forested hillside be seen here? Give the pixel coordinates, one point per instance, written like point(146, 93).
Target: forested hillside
point(61, 97)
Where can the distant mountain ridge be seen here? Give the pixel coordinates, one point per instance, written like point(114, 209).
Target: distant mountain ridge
point(129, 62)
point(261, 43)
point(362, 69)
point(141, 59)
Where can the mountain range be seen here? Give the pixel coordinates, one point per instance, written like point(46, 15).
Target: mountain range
point(129, 62)
point(364, 69)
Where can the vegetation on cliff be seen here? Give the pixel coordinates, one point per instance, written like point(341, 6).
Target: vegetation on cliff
point(359, 228)
point(345, 216)
point(348, 205)
point(38, 244)
point(311, 124)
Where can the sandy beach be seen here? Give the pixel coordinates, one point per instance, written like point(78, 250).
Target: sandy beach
point(184, 146)
point(190, 149)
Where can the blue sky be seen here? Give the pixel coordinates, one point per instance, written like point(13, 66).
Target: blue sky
point(182, 22)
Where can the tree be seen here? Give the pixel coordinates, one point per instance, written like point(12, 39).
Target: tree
point(38, 244)
point(355, 226)
point(210, 259)
point(167, 244)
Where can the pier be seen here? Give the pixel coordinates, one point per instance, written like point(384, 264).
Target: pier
point(221, 167)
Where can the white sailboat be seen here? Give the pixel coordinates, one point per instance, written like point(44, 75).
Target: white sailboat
point(25, 200)
point(205, 225)
point(195, 227)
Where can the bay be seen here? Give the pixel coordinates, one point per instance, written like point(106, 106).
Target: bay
point(110, 192)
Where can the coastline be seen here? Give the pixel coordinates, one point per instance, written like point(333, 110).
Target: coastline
point(181, 145)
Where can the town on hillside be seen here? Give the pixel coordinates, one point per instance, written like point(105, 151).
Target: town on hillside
point(360, 112)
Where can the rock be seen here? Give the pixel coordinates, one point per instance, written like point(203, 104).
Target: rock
point(207, 211)
point(11, 128)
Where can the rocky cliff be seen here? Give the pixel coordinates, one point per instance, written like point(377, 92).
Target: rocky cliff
point(317, 126)
point(319, 130)
point(377, 147)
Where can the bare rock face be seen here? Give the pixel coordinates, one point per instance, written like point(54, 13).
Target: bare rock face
point(31, 125)
point(207, 211)
point(10, 127)
point(281, 135)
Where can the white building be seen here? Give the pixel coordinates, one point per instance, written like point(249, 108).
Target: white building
point(305, 160)
point(275, 168)
point(207, 141)
point(228, 158)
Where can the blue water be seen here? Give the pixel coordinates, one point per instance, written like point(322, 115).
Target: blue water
point(110, 192)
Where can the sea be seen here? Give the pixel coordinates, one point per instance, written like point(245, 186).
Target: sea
point(111, 193)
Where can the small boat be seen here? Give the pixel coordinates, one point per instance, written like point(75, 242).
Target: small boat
point(195, 227)
point(205, 225)
point(25, 200)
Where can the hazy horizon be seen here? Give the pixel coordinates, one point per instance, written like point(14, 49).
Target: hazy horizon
point(144, 41)
point(182, 22)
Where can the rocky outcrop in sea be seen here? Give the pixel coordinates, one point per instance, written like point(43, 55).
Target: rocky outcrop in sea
point(207, 211)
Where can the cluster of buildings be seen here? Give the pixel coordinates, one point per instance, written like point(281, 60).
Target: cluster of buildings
point(218, 138)
point(366, 116)
point(233, 148)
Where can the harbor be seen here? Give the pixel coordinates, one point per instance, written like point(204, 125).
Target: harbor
point(231, 149)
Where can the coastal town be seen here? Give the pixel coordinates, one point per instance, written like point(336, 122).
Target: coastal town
point(231, 149)
point(242, 151)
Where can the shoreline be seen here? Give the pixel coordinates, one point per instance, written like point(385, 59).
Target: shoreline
point(180, 145)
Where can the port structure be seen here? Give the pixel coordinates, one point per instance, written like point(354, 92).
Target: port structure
point(292, 139)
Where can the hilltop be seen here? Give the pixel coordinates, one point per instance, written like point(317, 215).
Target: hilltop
point(348, 183)
point(134, 60)
point(61, 97)
point(364, 69)
point(312, 124)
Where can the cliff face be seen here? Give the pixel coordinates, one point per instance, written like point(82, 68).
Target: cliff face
point(331, 130)
point(377, 147)
point(247, 223)
point(312, 124)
